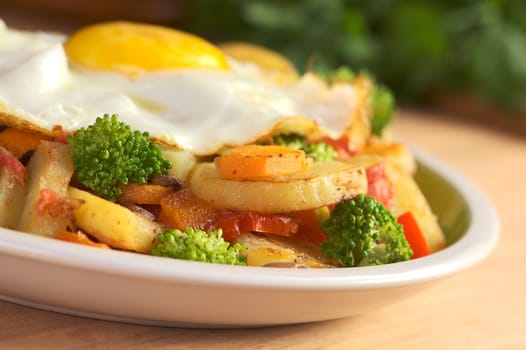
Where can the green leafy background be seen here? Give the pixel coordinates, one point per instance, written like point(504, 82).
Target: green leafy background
point(414, 47)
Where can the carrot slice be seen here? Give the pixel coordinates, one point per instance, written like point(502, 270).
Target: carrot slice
point(414, 235)
point(258, 161)
point(144, 194)
point(19, 142)
point(182, 209)
point(80, 238)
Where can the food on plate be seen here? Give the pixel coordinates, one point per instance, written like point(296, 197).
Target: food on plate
point(147, 139)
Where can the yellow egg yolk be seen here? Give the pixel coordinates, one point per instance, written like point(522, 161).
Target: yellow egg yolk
point(132, 49)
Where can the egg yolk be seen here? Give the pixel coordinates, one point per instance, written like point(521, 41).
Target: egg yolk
point(132, 49)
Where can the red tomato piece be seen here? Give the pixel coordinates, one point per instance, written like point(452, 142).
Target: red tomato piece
point(379, 186)
point(311, 232)
point(12, 165)
point(309, 229)
point(235, 224)
point(305, 215)
point(340, 145)
point(414, 235)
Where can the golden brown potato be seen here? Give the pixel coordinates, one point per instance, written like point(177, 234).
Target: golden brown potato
point(12, 196)
point(50, 168)
point(395, 153)
point(114, 224)
point(182, 162)
point(322, 184)
point(409, 197)
point(270, 250)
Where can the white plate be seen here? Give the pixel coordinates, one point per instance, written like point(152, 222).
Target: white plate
point(120, 286)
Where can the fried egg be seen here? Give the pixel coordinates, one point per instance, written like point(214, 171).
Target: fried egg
point(179, 88)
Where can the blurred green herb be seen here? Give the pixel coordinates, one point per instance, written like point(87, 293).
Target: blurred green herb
point(414, 47)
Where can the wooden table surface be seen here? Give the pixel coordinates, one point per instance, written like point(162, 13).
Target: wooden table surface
point(483, 307)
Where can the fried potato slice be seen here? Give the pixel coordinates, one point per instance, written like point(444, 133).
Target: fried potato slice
point(322, 184)
point(114, 224)
point(12, 198)
point(269, 250)
point(50, 169)
point(409, 197)
point(395, 153)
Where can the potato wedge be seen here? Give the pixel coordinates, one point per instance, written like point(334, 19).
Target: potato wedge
point(395, 153)
point(322, 184)
point(269, 250)
point(182, 162)
point(114, 224)
point(12, 199)
point(409, 197)
point(50, 168)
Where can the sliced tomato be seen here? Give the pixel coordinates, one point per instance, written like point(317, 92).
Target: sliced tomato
point(414, 235)
point(12, 165)
point(235, 224)
point(311, 232)
point(47, 201)
point(309, 229)
point(340, 145)
point(379, 186)
point(305, 215)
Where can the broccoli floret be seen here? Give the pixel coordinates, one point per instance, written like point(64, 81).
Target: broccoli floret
point(108, 154)
point(383, 105)
point(363, 232)
point(319, 151)
point(198, 245)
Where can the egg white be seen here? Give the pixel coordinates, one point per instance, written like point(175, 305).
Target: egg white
point(193, 109)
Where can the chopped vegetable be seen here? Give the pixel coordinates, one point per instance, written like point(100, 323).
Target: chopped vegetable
point(259, 162)
point(319, 151)
point(19, 142)
point(114, 224)
point(13, 165)
point(198, 245)
point(340, 145)
point(108, 154)
point(309, 221)
point(362, 232)
point(80, 238)
point(311, 232)
point(378, 185)
point(182, 209)
point(143, 193)
point(414, 235)
point(237, 223)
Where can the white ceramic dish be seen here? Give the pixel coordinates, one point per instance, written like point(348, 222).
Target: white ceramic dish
point(120, 286)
